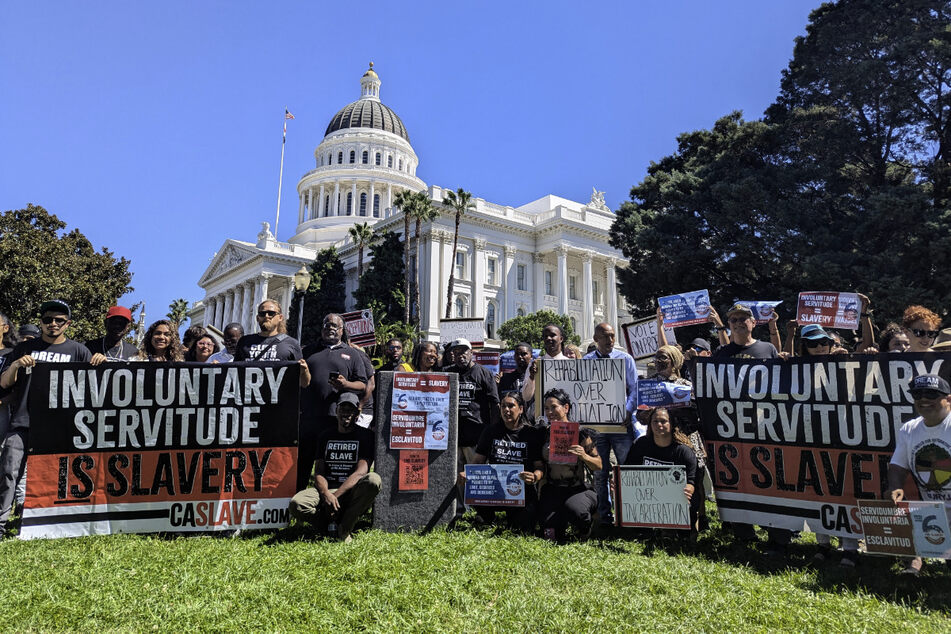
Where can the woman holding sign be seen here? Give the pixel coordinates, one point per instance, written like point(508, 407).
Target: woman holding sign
point(568, 496)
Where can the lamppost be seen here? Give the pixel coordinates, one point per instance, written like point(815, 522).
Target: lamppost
point(301, 284)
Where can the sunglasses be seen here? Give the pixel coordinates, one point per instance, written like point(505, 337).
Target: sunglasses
point(698, 349)
point(930, 334)
point(267, 314)
point(815, 343)
point(927, 395)
point(59, 321)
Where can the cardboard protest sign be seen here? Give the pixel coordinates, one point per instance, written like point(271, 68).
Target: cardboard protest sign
point(413, 470)
point(794, 444)
point(640, 337)
point(494, 485)
point(657, 393)
point(489, 360)
point(762, 311)
point(906, 529)
point(829, 309)
point(152, 447)
point(651, 496)
point(470, 328)
point(597, 387)
point(685, 309)
point(420, 397)
point(359, 326)
point(562, 435)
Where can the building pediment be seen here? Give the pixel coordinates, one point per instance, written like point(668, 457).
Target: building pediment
point(231, 254)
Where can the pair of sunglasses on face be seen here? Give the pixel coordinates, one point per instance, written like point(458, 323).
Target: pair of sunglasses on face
point(59, 321)
point(815, 343)
point(928, 395)
point(267, 314)
point(930, 334)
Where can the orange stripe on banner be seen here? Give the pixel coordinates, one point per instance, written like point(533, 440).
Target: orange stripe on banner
point(113, 477)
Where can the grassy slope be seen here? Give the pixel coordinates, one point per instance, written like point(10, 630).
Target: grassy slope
point(472, 581)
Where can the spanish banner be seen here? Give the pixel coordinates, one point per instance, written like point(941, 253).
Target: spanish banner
point(149, 447)
point(795, 444)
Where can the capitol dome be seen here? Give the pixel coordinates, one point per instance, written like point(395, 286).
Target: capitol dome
point(367, 113)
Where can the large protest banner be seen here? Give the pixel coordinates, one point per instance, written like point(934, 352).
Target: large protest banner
point(795, 444)
point(597, 387)
point(160, 447)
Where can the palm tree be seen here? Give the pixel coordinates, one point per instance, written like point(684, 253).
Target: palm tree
point(363, 236)
point(459, 201)
point(178, 312)
point(423, 211)
point(405, 200)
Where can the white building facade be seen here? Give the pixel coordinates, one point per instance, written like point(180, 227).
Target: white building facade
point(552, 253)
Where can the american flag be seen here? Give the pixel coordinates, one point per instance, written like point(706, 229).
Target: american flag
point(287, 114)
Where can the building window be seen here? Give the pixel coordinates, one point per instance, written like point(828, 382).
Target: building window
point(363, 204)
point(574, 325)
point(520, 277)
point(389, 161)
point(366, 157)
point(520, 312)
point(460, 307)
point(401, 165)
point(490, 320)
point(460, 265)
point(349, 203)
point(321, 161)
point(572, 286)
point(491, 264)
point(376, 204)
point(596, 291)
point(353, 156)
point(548, 283)
point(330, 158)
point(327, 205)
point(339, 157)
point(379, 158)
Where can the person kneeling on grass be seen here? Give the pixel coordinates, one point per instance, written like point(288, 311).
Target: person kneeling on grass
point(345, 488)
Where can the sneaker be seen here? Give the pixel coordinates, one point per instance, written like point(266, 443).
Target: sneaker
point(849, 559)
point(822, 554)
point(913, 569)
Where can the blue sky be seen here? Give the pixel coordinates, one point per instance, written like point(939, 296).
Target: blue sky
point(155, 128)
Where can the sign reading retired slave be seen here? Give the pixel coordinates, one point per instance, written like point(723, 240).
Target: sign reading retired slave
point(641, 338)
point(160, 447)
point(651, 496)
point(597, 388)
point(794, 444)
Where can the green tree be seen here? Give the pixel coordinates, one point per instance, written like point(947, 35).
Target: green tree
point(326, 294)
point(380, 286)
point(178, 312)
point(459, 202)
point(42, 261)
point(406, 202)
point(529, 329)
point(363, 236)
point(423, 210)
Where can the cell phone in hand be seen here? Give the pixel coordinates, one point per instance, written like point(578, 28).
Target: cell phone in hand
point(334, 375)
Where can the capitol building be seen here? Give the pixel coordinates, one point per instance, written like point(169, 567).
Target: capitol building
point(551, 253)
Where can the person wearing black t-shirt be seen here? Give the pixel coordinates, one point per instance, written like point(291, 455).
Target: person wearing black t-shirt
point(272, 343)
point(515, 380)
point(513, 441)
point(51, 347)
point(112, 347)
point(345, 488)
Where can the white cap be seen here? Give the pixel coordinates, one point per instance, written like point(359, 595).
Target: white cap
point(460, 342)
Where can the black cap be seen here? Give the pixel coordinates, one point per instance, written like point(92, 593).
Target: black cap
point(929, 382)
point(57, 305)
point(346, 397)
point(29, 330)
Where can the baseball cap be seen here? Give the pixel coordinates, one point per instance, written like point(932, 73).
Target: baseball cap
point(28, 330)
point(929, 382)
point(814, 331)
point(119, 311)
point(699, 342)
point(57, 305)
point(460, 342)
point(346, 397)
point(739, 308)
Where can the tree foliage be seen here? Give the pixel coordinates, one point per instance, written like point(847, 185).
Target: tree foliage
point(178, 312)
point(459, 202)
point(42, 261)
point(529, 329)
point(324, 295)
point(841, 186)
point(381, 285)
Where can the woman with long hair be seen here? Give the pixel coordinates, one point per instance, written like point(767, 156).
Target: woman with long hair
point(161, 343)
point(893, 339)
point(202, 348)
point(425, 357)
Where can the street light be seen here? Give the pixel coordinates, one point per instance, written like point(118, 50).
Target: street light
point(301, 284)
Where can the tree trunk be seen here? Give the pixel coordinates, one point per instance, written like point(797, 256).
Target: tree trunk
point(452, 267)
point(416, 290)
point(406, 266)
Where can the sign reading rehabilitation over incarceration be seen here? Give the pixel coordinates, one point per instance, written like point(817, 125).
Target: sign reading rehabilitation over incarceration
point(685, 309)
point(494, 485)
point(420, 416)
point(597, 388)
point(906, 529)
point(828, 309)
point(160, 447)
point(795, 444)
point(641, 338)
point(360, 328)
point(651, 496)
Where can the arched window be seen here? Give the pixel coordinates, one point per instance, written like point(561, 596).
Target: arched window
point(460, 307)
point(321, 161)
point(330, 158)
point(327, 205)
point(366, 157)
point(379, 158)
point(339, 158)
point(401, 165)
point(520, 312)
point(353, 156)
point(376, 205)
point(574, 324)
point(363, 204)
point(349, 203)
point(490, 321)
point(389, 161)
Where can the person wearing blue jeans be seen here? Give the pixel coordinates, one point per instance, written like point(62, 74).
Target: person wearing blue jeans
point(604, 339)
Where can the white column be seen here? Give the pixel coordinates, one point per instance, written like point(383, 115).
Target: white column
point(478, 286)
point(562, 252)
point(587, 329)
point(261, 294)
point(219, 312)
point(432, 283)
point(288, 294)
point(354, 203)
point(389, 198)
point(300, 210)
point(447, 263)
point(248, 309)
point(611, 292)
point(370, 203)
point(539, 281)
point(320, 202)
point(238, 304)
point(509, 294)
point(229, 306)
point(336, 201)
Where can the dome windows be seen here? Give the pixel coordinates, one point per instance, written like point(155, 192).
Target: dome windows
point(389, 161)
point(353, 156)
point(378, 158)
point(365, 157)
point(339, 158)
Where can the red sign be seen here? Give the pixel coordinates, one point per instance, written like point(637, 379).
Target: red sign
point(413, 470)
point(407, 429)
point(360, 328)
point(563, 435)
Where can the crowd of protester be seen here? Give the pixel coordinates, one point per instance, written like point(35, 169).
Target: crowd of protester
point(498, 419)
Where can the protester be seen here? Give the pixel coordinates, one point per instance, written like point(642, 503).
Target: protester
point(366, 396)
point(393, 357)
point(664, 444)
point(8, 337)
point(51, 347)
point(344, 486)
point(513, 441)
point(568, 495)
point(572, 351)
point(329, 369)
point(425, 357)
point(478, 397)
point(515, 380)
point(192, 333)
point(271, 342)
point(922, 327)
point(921, 446)
point(232, 334)
point(113, 346)
point(893, 339)
point(552, 338)
point(28, 331)
point(160, 343)
point(203, 349)
point(620, 444)
point(698, 348)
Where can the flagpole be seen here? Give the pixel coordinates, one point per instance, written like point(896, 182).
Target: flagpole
point(280, 180)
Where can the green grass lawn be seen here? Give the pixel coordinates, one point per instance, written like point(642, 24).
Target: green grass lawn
point(468, 580)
